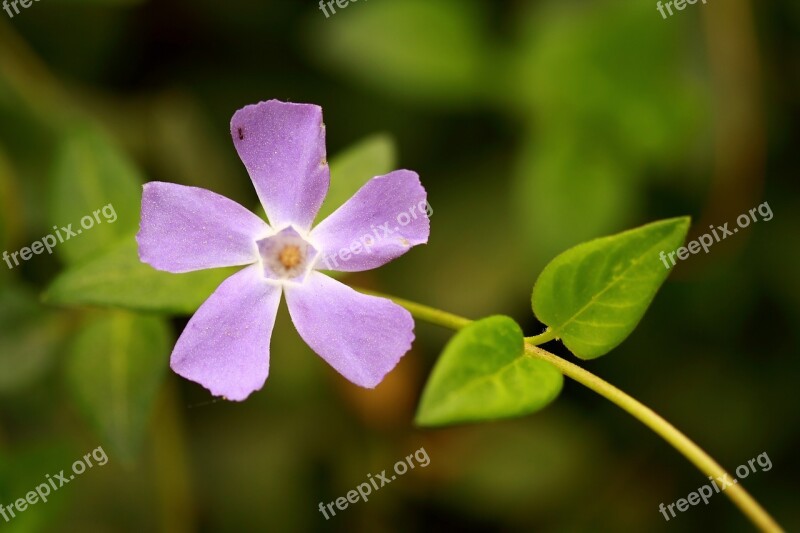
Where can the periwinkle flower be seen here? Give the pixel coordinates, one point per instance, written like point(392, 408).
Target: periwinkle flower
point(225, 346)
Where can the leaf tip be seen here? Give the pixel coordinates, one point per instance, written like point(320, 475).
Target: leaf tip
point(682, 223)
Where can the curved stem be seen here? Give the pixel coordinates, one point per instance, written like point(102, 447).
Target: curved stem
point(423, 312)
point(704, 462)
point(545, 336)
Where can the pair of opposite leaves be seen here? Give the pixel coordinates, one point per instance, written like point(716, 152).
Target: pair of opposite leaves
point(591, 297)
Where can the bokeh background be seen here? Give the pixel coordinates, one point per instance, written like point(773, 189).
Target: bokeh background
point(535, 125)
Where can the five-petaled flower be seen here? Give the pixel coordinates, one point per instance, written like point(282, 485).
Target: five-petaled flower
point(225, 346)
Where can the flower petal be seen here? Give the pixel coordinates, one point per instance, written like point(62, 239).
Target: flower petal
point(225, 346)
point(283, 147)
point(362, 337)
point(187, 228)
point(381, 222)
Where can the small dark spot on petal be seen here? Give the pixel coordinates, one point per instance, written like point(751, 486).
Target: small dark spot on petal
point(241, 134)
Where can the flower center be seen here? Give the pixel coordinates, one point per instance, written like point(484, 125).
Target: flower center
point(290, 256)
point(286, 256)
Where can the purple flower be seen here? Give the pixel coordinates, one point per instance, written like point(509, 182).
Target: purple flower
point(225, 346)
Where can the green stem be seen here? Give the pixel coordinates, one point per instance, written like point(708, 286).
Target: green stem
point(546, 336)
point(428, 314)
point(704, 462)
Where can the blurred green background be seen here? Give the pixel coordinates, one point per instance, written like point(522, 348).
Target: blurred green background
point(534, 125)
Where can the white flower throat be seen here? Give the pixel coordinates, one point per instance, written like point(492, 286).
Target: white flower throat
point(286, 256)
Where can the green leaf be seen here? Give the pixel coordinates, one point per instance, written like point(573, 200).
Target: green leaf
point(96, 190)
point(571, 184)
point(115, 365)
point(420, 50)
point(29, 338)
point(644, 98)
point(484, 374)
point(593, 295)
point(568, 189)
point(350, 170)
point(117, 278)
